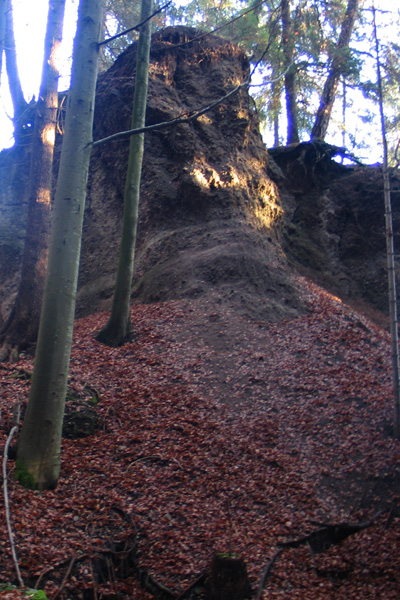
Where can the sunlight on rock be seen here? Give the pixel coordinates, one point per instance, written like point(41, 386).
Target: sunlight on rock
point(200, 177)
point(268, 214)
point(205, 120)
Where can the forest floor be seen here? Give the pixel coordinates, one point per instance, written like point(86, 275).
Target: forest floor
point(218, 433)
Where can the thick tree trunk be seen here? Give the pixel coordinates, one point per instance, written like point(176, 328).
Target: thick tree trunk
point(38, 450)
point(290, 77)
point(228, 579)
point(19, 104)
point(118, 328)
point(338, 62)
point(23, 324)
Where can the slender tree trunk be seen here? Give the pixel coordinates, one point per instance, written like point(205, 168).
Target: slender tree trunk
point(338, 62)
point(23, 324)
point(14, 82)
point(391, 267)
point(275, 108)
point(3, 21)
point(290, 77)
point(38, 450)
point(344, 107)
point(118, 328)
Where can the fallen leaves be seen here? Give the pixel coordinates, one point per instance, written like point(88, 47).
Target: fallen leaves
point(220, 433)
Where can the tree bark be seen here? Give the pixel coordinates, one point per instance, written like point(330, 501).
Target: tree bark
point(390, 255)
point(23, 324)
point(228, 579)
point(38, 450)
point(336, 70)
point(290, 77)
point(118, 328)
point(14, 82)
point(3, 21)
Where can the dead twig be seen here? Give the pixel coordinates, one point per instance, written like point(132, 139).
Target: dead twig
point(328, 535)
point(65, 579)
point(266, 572)
point(7, 507)
point(95, 595)
point(196, 583)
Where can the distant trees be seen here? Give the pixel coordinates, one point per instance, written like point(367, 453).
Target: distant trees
point(337, 69)
point(311, 47)
point(290, 73)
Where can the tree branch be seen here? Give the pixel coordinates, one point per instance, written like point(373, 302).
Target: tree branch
point(265, 573)
point(7, 507)
point(135, 27)
point(178, 120)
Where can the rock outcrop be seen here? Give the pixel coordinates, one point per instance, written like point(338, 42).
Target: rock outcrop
point(211, 220)
point(218, 215)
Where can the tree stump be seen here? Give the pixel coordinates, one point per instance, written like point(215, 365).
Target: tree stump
point(228, 578)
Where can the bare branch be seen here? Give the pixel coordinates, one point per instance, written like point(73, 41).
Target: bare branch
point(7, 507)
point(135, 27)
point(266, 572)
point(181, 119)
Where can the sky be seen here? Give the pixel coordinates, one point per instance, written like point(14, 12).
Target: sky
point(30, 17)
point(30, 21)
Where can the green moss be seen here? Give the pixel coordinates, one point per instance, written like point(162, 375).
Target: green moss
point(28, 592)
point(228, 555)
point(37, 595)
point(23, 476)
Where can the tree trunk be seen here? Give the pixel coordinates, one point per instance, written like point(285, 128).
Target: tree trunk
point(23, 324)
point(338, 62)
point(14, 82)
point(118, 328)
point(3, 21)
point(38, 450)
point(390, 256)
point(290, 77)
point(228, 579)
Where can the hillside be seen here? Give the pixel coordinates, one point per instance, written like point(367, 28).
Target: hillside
point(254, 403)
point(218, 433)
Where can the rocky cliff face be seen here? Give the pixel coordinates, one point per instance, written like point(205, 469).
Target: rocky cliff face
point(218, 216)
point(211, 219)
point(335, 225)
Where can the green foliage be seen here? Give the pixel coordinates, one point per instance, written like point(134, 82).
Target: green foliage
point(23, 476)
point(36, 595)
point(316, 28)
point(228, 555)
point(29, 593)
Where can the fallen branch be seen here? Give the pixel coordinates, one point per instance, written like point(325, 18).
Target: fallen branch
point(266, 572)
point(199, 581)
point(329, 535)
point(7, 507)
point(65, 579)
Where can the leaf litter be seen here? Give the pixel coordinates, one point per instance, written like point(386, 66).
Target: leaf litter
point(218, 433)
